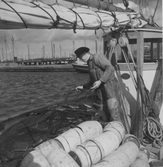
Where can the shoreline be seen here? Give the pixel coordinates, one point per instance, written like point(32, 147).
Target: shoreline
point(38, 68)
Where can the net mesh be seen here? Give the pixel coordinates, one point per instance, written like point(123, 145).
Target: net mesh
point(44, 124)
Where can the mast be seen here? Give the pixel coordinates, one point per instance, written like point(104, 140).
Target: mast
point(43, 52)
point(52, 49)
point(6, 47)
point(29, 56)
point(140, 7)
point(13, 48)
point(73, 46)
point(2, 54)
point(60, 51)
point(99, 4)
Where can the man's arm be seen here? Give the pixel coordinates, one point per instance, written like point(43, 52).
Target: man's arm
point(85, 86)
point(88, 85)
point(102, 62)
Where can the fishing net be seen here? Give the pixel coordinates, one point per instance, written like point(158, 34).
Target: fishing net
point(43, 124)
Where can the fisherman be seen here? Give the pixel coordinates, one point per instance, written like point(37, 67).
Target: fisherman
point(103, 82)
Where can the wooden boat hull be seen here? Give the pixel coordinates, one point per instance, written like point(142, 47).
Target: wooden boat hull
point(80, 67)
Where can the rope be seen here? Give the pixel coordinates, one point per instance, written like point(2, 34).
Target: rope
point(112, 14)
point(108, 6)
point(29, 132)
point(155, 9)
point(125, 3)
point(71, 94)
point(100, 22)
point(74, 3)
point(99, 4)
point(124, 42)
point(152, 129)
point(57, 2)
point(113, 43)
point(153, 132)
point(79, 17)
point(116, 24)
point(88, 4)
point(16, 13)
point(128, 65)
point(45, 12)
point(59, 18)
point(75, 22)
point(68, 94)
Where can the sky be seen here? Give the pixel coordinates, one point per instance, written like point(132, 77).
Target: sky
point(64, 41)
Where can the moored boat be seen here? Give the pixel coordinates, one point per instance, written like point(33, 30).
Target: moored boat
point(80, 67)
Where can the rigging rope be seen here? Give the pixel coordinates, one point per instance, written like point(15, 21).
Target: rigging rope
point(123, 101)
point(85, 94)
point(155, 10)
point(152, 129)
point(31, 17)
point(153, 132)
point(45, 12)
point(76, 20)
point(16, 13)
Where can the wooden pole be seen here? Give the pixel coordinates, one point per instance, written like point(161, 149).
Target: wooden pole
point(139, 116)
point(73, 46)
point(43, 52)
point(52, 49)
point(2, 53)
point(99, 4)
point(29, 56)
point(60, 52)
point(6, 49)
point(140, 52)
point(13, 48)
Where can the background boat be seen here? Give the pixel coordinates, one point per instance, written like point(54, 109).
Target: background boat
point(80, 66)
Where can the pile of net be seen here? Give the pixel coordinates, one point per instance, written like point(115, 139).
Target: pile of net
point(43, 124)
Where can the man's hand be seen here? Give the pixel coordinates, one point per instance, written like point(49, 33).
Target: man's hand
point(79, 88)
point(96, 85)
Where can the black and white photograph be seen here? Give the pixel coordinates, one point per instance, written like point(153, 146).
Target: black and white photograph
point(81, 83)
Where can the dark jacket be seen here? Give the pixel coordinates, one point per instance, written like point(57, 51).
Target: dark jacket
point(101, 69)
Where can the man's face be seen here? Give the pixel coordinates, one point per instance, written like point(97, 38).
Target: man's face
point(85, 57)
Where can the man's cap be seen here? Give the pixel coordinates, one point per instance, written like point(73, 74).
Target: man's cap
point(81, 51)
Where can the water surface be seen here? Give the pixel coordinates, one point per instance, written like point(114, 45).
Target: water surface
point(22, 91)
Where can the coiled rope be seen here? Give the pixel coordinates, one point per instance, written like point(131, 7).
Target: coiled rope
point(152, 132)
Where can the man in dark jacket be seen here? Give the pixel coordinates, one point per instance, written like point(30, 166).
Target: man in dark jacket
point(103, 81)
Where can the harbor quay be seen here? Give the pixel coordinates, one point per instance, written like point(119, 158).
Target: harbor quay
point(33, 65)
point(40, 68)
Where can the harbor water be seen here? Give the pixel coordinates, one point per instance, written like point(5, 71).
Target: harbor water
point(24, 91)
